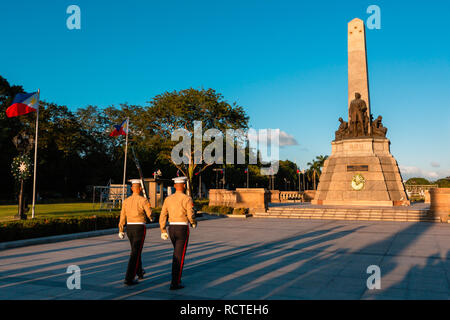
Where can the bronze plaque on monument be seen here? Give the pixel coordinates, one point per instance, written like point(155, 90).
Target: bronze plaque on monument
point(357, 168)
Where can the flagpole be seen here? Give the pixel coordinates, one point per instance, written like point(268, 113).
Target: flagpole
point(125, 162)
point(35, 158)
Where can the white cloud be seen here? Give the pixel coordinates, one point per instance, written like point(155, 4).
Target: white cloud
point(285, 139)
point(413, 172)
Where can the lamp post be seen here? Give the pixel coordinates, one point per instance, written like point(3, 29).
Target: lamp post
point(246, 171)
point(303, 174)
point(21, 167)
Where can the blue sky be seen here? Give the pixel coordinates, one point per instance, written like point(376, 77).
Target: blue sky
point(285, 62)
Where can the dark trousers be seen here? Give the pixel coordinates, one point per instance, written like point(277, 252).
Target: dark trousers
point(179, 235)
point(136, 235)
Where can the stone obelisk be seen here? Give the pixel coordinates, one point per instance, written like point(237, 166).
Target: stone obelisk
point(357, 62)
point(361, 170)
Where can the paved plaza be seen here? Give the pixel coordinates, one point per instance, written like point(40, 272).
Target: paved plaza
point(246, 259)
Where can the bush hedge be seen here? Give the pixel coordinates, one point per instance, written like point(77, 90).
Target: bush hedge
point(218, 209)
point(27, 229)
point(240, 211)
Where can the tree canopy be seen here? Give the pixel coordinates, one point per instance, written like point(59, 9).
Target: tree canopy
point(75, 150)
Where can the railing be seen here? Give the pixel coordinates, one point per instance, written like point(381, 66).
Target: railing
point(418, 190)
point(287, 196)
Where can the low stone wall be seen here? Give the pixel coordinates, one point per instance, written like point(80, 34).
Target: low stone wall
point(274, 196)
point(252, 198)
point(427, 196)
point(309, 195)
point(440, 203)
point(222, 197)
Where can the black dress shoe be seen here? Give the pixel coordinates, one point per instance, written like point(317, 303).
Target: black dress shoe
point(130, 283)
point(141, 275)
point(176, 287)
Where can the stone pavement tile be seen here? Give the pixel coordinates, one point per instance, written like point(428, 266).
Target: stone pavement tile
point(248, 295)
point(390, 294)
point(304, 256)
point(389, 284)
point(17, 292)
point(209, 293)
point(428, 284)
point(83, 294)
point(345, 285)
point(331, 269)
point(300, 290)
point(401, 264)
point(394, 276)
point(357, 271)
point(429, 272)
point(279, 277)
point(324, 295)
point(427, 295)
point(312, 280)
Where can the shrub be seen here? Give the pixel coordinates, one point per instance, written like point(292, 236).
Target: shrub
point(218, 209)
point(240, 211)
point(27, 229)
point(198, 204)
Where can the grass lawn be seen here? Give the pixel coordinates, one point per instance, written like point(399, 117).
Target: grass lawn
point(58, 210)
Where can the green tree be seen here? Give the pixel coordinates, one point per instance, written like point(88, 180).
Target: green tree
point(443, 183)
point(315, 169)
point(179, 109)
point(418, 181)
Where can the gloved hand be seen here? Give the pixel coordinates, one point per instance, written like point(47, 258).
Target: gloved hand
point(164, 236)
point(121, 235)
point(194, 225)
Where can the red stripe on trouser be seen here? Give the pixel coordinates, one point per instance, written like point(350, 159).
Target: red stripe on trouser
point(139, 253)
point(182, 257)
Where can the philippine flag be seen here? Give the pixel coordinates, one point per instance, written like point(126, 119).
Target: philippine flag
point(23, 103)
point(120, 130)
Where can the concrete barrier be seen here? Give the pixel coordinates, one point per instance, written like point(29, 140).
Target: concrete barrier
point(222, 197)
point(440, 203)
point(252, 198)
point(309, 195)
point(274, 196)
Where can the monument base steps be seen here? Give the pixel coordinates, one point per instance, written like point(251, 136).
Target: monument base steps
point(355, 214)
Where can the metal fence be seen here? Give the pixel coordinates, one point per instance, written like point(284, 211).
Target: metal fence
point(109, 197)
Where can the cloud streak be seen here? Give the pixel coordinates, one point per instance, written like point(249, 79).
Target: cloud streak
point(413, 172)
point(285, 139)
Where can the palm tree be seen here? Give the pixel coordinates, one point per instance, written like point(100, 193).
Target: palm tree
point(315, 168)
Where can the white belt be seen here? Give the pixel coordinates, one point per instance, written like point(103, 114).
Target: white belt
point(135, 222)
point(178, 223)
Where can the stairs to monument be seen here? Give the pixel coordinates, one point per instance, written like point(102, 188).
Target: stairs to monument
point(345, 213)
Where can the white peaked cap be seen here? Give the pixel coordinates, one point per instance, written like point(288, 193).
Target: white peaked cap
point(135, 181)
point(179, 180)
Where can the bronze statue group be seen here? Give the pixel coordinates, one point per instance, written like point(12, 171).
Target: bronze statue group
point(360, 123)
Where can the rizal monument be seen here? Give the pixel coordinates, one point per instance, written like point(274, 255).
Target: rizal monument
point(361, 171)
